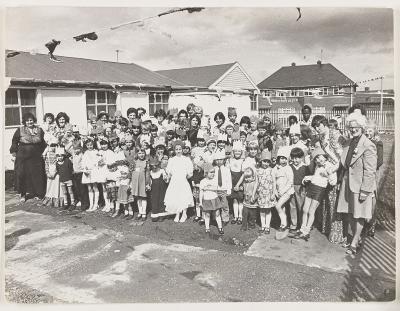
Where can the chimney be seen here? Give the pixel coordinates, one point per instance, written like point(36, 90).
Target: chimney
point(367, 89)
point(319, 63)
point(293, 64)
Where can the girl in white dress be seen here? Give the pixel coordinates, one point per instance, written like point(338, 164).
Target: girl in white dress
point(90, 160)
point(178, 196)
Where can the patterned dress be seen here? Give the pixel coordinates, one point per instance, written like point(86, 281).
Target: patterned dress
point(266, 197)
point(331, 223)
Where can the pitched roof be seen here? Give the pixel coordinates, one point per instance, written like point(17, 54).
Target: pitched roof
point(40, 67)
point(197, 76)
point(305, 76)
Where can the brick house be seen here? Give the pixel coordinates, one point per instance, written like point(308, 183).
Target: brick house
point(321, 86)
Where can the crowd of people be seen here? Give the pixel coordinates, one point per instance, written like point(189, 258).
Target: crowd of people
point(235, 173)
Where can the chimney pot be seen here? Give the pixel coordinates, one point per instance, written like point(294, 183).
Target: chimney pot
point(319, 62)
point(367, 88)
point(293, 64)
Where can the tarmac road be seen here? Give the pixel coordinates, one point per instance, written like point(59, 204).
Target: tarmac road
point(53, 256)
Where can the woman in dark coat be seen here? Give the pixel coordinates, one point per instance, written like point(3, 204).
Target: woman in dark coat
point(27, 148)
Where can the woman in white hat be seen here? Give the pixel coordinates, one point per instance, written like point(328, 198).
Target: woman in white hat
point(356, 196)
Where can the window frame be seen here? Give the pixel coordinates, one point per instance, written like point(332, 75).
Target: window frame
point(156, 105)
point(253, 102)
point(96, 103)
point(19, 105)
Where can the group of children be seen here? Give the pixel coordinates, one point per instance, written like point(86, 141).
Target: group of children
point(132, 163)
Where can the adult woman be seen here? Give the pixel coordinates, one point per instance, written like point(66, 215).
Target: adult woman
point(131, 113)
point(178, 196)
point(194, 125)
point(26, 149)
point(62, 119)
point(219, 127)
point(356, 196)
point(331, 224)
point(245, 123)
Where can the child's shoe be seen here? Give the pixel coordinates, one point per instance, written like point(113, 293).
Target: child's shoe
point(202, 222)
point(221, 231)
point(239, 221)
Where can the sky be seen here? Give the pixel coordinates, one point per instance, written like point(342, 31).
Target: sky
point(357, 41)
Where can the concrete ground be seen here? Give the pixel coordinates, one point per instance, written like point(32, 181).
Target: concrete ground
point(55, 256)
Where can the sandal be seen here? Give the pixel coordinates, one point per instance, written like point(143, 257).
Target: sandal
point(221, 231)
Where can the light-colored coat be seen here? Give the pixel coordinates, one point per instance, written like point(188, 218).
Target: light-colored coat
point(362, 170)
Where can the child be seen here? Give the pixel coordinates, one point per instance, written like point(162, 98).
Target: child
point(221, 142)
point(324, 173)
point(52, 197)
point(90, 160)
point(123, 181)
point(198, 151)
point(208, 198)
point(138, 184)
point(283, 176)
point(250, 204)
point(208, 155)
point(266, 191)
point(130, 151)
point(278, 139)
point(198, 175)
point(252, 151)
point(157, 187)
point(81, 194)
point(235, 165)
point(64, 170)
point(187, 149)
point(296, 142)
point(224, 182)
point(371, 132)
point(300, 170)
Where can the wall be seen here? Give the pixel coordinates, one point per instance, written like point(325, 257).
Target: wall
point(127, 100)
point(72, 102)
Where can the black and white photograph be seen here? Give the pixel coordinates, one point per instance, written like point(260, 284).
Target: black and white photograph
point(199, 154)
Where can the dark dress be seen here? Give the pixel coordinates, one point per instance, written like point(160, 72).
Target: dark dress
point(29, 168)
point(237, 195)
point(157, 194)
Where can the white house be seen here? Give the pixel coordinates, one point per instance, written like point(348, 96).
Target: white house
point(215, 88)
point(81, 87)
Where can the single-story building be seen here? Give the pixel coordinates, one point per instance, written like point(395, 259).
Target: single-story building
point(215, 88)
point(321, 86)
point(81, 87)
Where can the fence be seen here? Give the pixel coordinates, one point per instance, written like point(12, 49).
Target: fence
point(384, 120)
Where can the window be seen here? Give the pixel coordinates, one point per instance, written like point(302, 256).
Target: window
point(308, 93)
point(19, 102)
point(269, 93)
point(323, 91)
point(253, 102)
point(97, 101)
point(337, 91)
point(158, 101)
point(294, 93)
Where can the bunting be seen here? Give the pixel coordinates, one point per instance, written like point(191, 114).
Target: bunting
point(52, 45)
